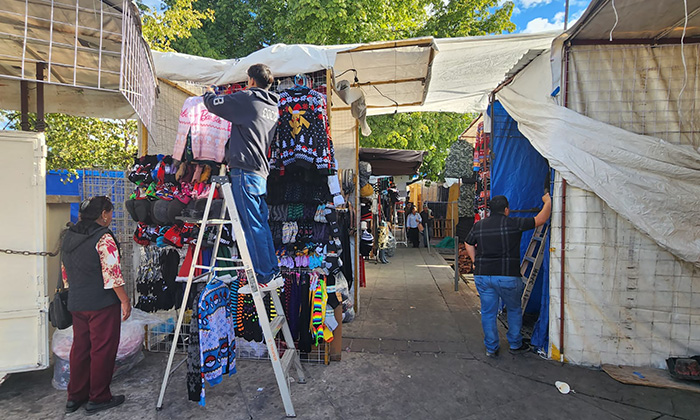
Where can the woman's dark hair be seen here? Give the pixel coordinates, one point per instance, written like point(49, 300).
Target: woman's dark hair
point(92, 208)
point(262, 75)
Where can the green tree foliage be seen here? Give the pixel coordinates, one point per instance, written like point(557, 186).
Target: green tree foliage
point(78, 142)
point(161, 26)
point(469, 18)
point(244, 26)
point(431, 131)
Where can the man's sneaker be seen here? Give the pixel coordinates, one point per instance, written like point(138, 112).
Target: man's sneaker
point(524, 348)
point(92, 407)
point(73, 406)
point(492, 354)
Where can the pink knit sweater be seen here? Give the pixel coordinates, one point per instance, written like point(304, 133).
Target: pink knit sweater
point(209, 132)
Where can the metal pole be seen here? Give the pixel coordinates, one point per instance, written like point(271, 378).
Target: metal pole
point(24, 105)
point(40, 123)
point(566, 15)
point(427, 232)
point(456, 263)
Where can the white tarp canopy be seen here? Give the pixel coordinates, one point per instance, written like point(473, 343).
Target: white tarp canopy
point(653, 184)
point(423, 74)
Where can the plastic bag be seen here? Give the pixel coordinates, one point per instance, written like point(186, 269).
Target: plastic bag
point(341, 286)
point(131, 335)
point(128, 354)
point(61, 369)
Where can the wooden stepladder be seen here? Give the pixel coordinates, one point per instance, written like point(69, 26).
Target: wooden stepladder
point(532, 262)
point(281, 365)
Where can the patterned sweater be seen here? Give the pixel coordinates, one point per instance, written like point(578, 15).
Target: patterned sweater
point(216, 335)
point(303, 135)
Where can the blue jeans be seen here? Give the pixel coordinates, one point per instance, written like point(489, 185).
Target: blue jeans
point(510, 290)
point(249, 191)
point(427, 234)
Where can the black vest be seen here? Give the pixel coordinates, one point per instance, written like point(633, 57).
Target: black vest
point(83, 268)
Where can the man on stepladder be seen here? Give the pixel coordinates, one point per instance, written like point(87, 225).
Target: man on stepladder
point(253, 114)
point(494, 246)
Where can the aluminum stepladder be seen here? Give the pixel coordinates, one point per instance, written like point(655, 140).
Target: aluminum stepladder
point(281, 366)
point(532, 262)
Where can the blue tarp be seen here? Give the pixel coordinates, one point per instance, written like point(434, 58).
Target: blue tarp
point(519, 172)
point(61, 182)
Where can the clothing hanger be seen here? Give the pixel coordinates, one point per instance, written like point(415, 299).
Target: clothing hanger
point(299, 82)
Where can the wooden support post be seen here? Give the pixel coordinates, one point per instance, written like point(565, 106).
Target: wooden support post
point(40, 122)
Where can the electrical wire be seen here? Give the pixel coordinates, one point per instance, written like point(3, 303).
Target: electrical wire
point(617, 19)
point(380, 92)
point(685, 64)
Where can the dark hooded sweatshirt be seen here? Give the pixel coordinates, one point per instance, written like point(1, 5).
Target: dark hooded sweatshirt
point(81, 261)
point(253, 114)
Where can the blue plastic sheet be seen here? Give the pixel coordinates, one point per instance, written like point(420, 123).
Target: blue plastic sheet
point(520, 173)
point(61, 182)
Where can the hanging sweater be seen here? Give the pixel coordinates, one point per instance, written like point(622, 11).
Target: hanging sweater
point(209, 132)
point(303, 133)
point(216, 335)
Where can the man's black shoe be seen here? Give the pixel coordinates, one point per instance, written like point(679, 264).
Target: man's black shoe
point(73, 406)
point(492, 354)
point(92, 407)
point(524, 348)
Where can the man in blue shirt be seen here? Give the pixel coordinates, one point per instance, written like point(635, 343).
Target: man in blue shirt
point(494, 246)
point(412, 222)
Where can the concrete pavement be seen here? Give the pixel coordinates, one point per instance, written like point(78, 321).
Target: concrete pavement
point(414, 352)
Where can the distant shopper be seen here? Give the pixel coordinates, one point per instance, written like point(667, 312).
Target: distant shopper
point(98, 302)
point(253, 114)
point(427, 216)
point(412, 222)
point(494, 246)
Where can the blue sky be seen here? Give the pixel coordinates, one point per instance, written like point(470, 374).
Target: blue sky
point(543, 15)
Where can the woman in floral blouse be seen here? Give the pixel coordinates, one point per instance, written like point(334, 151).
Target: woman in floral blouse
point(98, 302)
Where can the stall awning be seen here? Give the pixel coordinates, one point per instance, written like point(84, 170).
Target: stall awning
point(95, 61)
point(392, 161)
point(422, 74)
point(639, 20)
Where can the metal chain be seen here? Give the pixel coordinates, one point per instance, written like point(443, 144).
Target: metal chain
point(37, 253)
point(27, 253)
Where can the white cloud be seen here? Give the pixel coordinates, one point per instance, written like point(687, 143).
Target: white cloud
point(557, 22)
point(542, 25)
point(526, 4)
point(516, 11)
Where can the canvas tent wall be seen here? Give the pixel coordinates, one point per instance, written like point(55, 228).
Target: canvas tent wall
point(631, 280)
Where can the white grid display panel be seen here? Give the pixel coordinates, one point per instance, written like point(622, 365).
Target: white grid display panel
point(80, 41)
point(344, 135)
point(91, 44)
point(627, 300)
point(138, 80)
point(642, 89)
point(117, 187)
point(166, 114)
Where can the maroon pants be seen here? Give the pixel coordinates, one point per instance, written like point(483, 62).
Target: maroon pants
point(94, 351)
